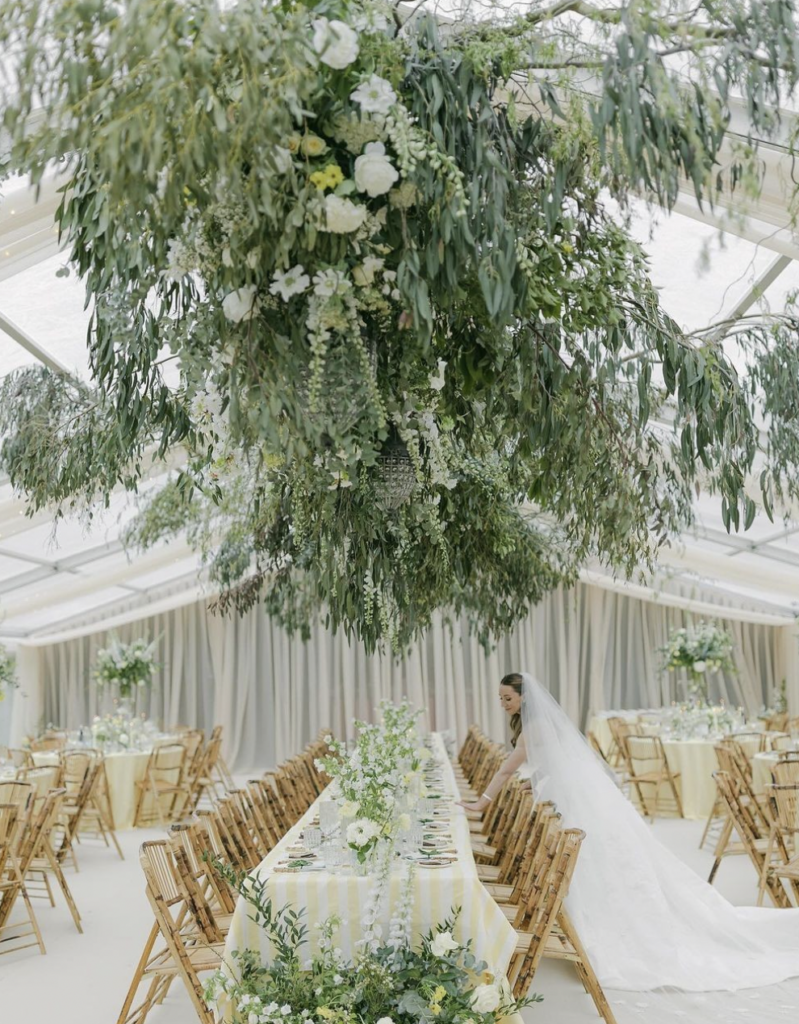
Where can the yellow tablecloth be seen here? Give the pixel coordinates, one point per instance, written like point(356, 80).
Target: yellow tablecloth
point(761, 770)
point(124, 770)
point(322, 894)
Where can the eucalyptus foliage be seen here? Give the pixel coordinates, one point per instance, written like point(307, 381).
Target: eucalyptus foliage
point(461, 303)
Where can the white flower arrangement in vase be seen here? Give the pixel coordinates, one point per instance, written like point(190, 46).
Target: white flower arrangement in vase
point(126, 666)
point(699, 649)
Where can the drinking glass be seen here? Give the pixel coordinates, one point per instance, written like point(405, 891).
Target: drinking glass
point(328, 815)
point(312, 837)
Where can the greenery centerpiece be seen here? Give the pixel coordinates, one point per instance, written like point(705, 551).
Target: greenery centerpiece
point(8, 672)
point(420, 366)
point(699, 649)
point(125, 667)
point(395, 982)
point(377, 778)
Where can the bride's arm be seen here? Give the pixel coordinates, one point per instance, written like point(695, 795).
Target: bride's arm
point(509, 767)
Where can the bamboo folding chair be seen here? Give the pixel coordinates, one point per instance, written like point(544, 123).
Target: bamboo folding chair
point(78, 775)
point(784, 799)
point(50, 742)
point(97, 820)
point(265, 820)
point(545, 910)
point(186, 952)
point(648, 766)
point(163, 782)
point(733, 762)
point(199, 847)
point(780, 741)
point(22, 795)
point(786, 770)
point(19, 758)
point(12, 886)
point(38, 853)
point(745, 822)
point(778, 722)
point(208, 782)
point(42, 779)
point(238, 834)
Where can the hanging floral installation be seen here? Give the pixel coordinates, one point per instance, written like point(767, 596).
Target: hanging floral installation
point(421, 368)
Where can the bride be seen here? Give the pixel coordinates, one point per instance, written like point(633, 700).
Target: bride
point(647, 920)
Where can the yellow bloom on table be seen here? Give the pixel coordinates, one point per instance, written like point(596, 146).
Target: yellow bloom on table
point(330, 177)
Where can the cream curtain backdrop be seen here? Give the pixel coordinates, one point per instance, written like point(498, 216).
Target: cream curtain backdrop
point(594, 648)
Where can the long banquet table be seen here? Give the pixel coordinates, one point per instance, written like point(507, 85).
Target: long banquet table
point(341, 892)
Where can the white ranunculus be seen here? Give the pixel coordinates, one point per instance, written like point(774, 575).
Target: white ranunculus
point(700, 666)
point(485, 998)
point(343, 216)
point(375, 95)
point(290, 282)
point(442, 944)
point(374, 172)
point(328, 283)
point(241, 305)
point(335, 42)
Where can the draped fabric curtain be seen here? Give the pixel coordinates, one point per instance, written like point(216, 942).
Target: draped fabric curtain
point(595, 649)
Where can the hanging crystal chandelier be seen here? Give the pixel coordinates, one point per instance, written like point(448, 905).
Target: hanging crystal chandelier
point(397, 477)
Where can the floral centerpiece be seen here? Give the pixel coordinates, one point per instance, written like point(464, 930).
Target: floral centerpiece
point(125, 666)
point(116, 730)
point(8, 672)
point(699, 649)
point(388, 983)
point(376, 775)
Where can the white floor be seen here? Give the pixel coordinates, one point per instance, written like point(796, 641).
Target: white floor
point(83, 978)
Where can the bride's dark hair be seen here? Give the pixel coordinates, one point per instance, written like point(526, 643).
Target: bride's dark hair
point(515, 682)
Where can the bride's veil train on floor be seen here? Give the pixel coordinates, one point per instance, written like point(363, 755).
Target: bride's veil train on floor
point(650, 925)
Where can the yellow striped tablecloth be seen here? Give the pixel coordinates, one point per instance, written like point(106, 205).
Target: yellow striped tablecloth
point(340, 892)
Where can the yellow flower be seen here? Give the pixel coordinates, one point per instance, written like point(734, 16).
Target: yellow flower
point(331, 176)
point(435, 1009)
point(439, 994)
point(312, 145)
point(293, 143)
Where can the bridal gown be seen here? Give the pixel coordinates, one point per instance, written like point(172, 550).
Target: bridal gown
point(650, 925)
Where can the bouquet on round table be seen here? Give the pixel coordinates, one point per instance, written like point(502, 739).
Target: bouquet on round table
point(126, 666)
point(699, 649)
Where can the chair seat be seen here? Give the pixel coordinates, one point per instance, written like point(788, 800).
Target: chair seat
point(487, 872)
point(203, 958)
point(653, 777)
point(500, 892)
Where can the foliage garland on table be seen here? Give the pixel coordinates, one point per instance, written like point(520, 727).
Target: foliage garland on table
point(126, 666)
point(393, 983)
point(422, 368)
point(704, 647)
point(8, 671)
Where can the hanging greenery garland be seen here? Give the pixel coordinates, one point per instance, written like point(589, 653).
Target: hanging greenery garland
point(420, 364)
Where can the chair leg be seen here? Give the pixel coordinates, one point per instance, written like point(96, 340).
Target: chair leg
point(677, 799)
point(715, 812)
point(138, 974)
point(721, 846)
point(586, 971)
point(59, 874)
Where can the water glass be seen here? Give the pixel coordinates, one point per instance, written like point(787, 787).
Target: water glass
point(312, 837)
point(328, 815)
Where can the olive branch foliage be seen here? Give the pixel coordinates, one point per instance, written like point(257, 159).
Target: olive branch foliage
point(573, 418)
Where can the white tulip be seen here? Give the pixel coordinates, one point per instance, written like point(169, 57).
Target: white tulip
point(241, 305)
point(335, 42)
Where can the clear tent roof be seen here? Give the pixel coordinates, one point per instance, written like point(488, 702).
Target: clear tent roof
point(51, 579)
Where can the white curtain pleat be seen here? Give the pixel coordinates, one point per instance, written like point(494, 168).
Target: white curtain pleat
point(594, 648)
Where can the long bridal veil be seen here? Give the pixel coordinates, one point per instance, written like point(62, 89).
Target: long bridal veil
point(646, 919)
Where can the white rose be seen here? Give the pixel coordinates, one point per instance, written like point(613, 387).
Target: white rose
point(485, 998)
point(442, 944)
point(335, 42)
point(241, 305)
point(374, 172)
point(343, 216)
point(349, 809)
point(375, 96)
point(700, 666)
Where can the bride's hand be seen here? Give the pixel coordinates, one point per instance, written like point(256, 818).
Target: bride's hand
point(479, 805)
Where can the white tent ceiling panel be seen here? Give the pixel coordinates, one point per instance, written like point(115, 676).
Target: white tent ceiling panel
point(22, 622)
